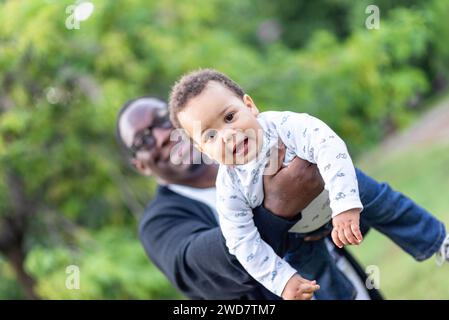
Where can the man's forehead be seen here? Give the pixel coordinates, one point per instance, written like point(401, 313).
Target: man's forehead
point(138, 116)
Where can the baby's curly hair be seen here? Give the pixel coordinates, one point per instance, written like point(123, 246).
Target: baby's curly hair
point(192, 84)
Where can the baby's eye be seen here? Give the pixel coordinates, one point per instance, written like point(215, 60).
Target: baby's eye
point(229, 117)
point(210, 135)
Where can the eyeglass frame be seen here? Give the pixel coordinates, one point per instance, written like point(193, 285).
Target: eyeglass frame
point(161, 122)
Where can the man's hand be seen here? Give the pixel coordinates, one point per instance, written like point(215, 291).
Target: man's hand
point(298, 288)
point(347, 228)
point(291, 188)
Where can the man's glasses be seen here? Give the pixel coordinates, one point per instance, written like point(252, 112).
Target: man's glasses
point(145, 139)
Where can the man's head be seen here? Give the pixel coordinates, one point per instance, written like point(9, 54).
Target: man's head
point(217, 115)
point(143, 130)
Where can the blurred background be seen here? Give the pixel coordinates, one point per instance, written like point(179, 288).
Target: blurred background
point(68, 198)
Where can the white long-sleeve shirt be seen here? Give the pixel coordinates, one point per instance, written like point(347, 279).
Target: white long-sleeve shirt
point(240, 188)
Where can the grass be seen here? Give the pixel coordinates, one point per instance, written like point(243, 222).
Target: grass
point(422, 173)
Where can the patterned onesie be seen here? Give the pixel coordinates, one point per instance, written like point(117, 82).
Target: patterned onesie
point(240, 188)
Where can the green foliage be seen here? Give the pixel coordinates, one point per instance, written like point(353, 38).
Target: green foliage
point(436, 15)
point(112, 265)
point(60, 90)
point(8, 283)
point(355, 85)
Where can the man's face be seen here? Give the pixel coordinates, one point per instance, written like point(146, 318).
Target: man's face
point(223, 125)
point(145, 128)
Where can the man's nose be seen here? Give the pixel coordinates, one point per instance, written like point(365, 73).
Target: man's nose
point(161, 136)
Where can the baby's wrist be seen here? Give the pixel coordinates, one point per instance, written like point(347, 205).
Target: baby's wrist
point(349, 211)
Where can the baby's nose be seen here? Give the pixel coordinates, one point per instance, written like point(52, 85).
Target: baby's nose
point(228, 135)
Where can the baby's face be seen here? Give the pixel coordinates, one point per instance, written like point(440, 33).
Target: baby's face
point(222, 125)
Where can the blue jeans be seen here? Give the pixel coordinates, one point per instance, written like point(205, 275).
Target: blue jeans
point(411, 227)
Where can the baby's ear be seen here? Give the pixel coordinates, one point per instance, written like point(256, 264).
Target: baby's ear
point(248, 101)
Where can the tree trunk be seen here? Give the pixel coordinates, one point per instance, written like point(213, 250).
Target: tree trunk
point(17, 259)
point(13, 230)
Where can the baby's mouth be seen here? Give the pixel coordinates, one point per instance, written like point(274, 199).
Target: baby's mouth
point(241, 147)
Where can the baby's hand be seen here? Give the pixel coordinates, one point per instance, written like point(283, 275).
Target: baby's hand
point(298, 288)
point(346, 228)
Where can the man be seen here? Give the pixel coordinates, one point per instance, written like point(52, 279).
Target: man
point(179, 230)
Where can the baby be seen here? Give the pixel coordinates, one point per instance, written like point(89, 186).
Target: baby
point(225, 124)
point(235, 134)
